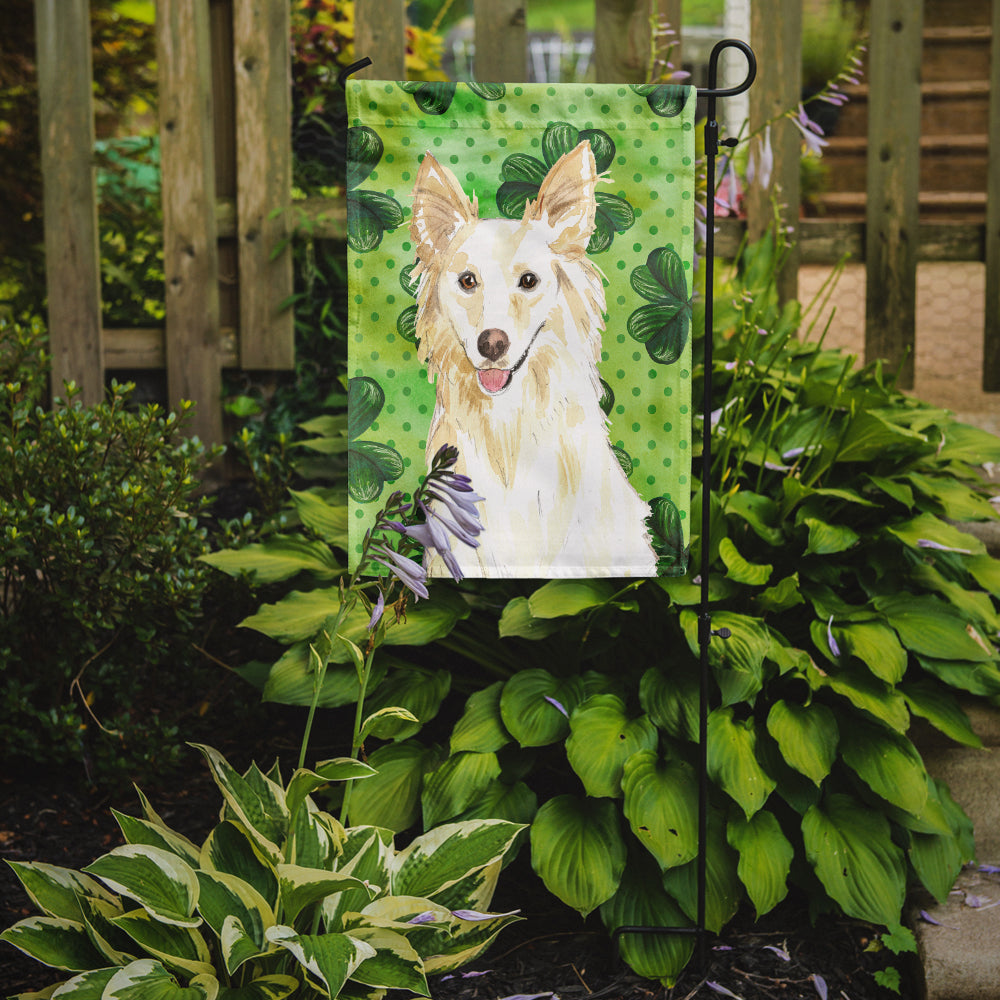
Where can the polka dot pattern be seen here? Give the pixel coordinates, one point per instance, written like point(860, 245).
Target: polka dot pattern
point(652, 169)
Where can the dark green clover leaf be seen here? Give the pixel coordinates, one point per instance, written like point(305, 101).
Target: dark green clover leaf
point(667, 532)
point(435, 97)
point(664, 99)
point(364, 150)
point(409, 283)
point(624, 459)
point(370, 464)
point(370, 214)
point(406, 324)
point(663, 325)
point(607, 400)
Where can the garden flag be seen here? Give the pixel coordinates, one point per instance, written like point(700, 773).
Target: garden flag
point(520, 264)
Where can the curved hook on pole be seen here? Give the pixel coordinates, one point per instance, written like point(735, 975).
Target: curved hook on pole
point(713, 69)
point(348, 70)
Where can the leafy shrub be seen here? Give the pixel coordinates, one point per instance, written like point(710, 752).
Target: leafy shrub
point(99, 539)
point(854, 604)
point(279, 899)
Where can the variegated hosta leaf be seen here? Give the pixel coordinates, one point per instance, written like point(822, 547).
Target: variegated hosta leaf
point(274, 987)
point(225, 897)
point(395, 964)
point(56, 891)
point(116, 946)
point(149, 980)
point(732, 760)
point(642, 902)
point(851, 849)
point(177, 947)
point(256, 801)
point(661, 800)
point(441, 857)
point(304, 782)
point(578, 851)
point(367, 853)
point(315, 838)
point(807, 736)
point(466, 941)
point(456, 784)
point(141, 831)
point(329, 959)
point(602, 737)
point(765, 858)
point(476, 890)
point(230, 849)
point(300, 887)
point(54, 941)
point(87, 986)
point(158, 880)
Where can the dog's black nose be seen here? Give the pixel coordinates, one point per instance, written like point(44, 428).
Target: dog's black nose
point(493, 344)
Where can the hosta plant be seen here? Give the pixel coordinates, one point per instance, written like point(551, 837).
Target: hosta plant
point(279, 900)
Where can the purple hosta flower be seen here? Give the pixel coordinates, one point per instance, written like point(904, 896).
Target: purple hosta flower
point(820, 983)
point(475, 915)
point(558, 705)
point(760, 165)
point(427, 917)
point(780, 952)
point(728, 195)
point(989, 869)
point(812, 134)
point(834, 648)
point(377, 611)
point(465, 975)
point(927, 543)
point(719, 988)
point(411, 574)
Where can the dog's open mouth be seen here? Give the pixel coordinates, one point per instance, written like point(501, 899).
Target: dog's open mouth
point(494, 380)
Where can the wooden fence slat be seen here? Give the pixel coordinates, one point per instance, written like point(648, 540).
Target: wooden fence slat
point(991, 332)
point(72, 256)
point(501, 41)
point(893, 184)
point(621, 40)
point(776, 36)
point(190, 252)
point(380, 34)
point(262, 61)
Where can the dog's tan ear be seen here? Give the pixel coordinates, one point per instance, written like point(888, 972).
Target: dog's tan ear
point(566, 200)
point(440, 208)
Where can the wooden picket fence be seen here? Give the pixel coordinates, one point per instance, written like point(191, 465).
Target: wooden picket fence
point(226, 161)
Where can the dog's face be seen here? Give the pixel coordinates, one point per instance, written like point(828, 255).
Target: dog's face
point(497, 288)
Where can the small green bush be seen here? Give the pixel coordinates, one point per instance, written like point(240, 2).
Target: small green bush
point(99, 579)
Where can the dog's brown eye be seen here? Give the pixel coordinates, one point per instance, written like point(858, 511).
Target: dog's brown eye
point(467, 280)
point(528, 280)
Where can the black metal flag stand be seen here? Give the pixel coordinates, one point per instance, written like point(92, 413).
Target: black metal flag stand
point(705, 631)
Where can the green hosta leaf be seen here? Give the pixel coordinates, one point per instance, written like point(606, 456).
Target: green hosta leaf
point(602, 738)
point(578, 851)
point(515, 803)
point(569, 597)
point(279, 558)
point(671, 700)
point(371, 465)
point(783, 595)
point(456, 784)
point(260, 809)
point(738, 661)
point(517, 620)
point(420, 691)
point(932, 628)
point(395, 964)
point(386, 723)
point(732, 760)
point(752, 574)
point(865, 692)
point(364, 150)
point(180, 948)
point(807, 736)
point(56, 891)
point(330, 959)
point(760, 512)
point(765, 858)
point(274, 987)
point(328, 520)
point(661, 798)
point(147, 979)
point(292, 679)
point(724, 891)
point(870, 436)
point(54, 941)
point(301, 887)
point(976, 678)
point(876, 646)
point(481, 728)
point(956, 500)
point(163, 884)
point(928, 528)
point(888, 763)
point(986, 572)
point(941, 709)
point(438, 859)
point(937, 858)
point(641, 901)
point(828, 539)
point(850, 848)
point(530, 706)
point(230, 849)
point(391, 798)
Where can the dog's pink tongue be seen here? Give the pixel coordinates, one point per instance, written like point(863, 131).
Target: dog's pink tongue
point(493, 379)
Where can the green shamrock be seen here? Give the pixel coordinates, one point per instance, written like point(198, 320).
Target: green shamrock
point(523, 176)
point(370, 213)
point(370, 465)
point(666, 530)
point(435, 97)
point(664, 99)
point(663, 325)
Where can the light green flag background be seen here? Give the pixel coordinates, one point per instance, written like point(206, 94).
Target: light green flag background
point(499, 140)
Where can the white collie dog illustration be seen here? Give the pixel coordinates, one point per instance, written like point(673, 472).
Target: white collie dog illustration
point(509, 324)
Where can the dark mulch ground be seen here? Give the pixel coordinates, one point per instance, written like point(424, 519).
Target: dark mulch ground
point(550, 952)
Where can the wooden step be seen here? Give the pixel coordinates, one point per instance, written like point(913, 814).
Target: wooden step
point(956, 53)
point(947, 163)
point(957, 206)
point(940, 13)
